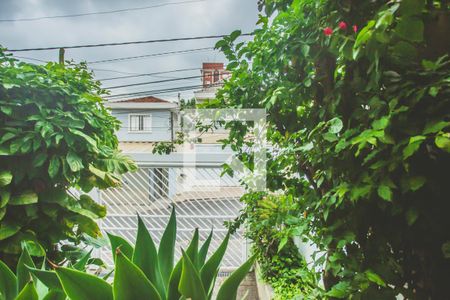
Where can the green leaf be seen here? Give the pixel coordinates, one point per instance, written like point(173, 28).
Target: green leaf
point(413, 146)
point(81, 286)
point(234, 35)
point(8, 287)
point(28, 292)
point(53, 166)
point(443, 142)
point(8, 229)
point(130, 282)
point(416, 182)
point(166, 251)
point(74, 161)
point(4, 198)
point(89, 204)
point(371, 276)
point(385, 192)
point(5, 178)
point(434, 127)
point(48, 278)
point(340, 290)
point(191, 285)
point(336, 125)
point(55, 295)
point(411, 216)
point(282, 243)
point(119, 242)
point(204, 250)
point(411, 29)
point(228, 289)
point(22, 272)
point(209, 271)
point(81, 263)
point(380, 124)
point(145, 257)
point(174, 281)
point(27, 197)
point(39, 159)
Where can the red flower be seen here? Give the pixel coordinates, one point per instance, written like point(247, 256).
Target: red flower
point(342, 25)
point(328, 31)
point(355, 28)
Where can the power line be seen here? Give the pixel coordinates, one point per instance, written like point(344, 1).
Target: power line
point(150, 82)
point(100, 12)
point(126, 43)
point(149, 55)
point(155, 92)
point(150, 74)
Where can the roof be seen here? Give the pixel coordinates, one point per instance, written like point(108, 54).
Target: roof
point(148, 99)
point(148, 102)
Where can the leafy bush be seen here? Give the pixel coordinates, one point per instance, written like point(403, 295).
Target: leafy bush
point(271, 222)
point(358, 101)
point(55, 134)
point(141, 272)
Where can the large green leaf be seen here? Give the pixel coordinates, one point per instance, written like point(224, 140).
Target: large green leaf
point(228, 289)
point(48, 278)
point(5, 178)
point(81, 286)
point(166, 251)
point(28, 292)
point(8, 229)
point(130, 282)
point(145, 257)
point(22, 272)
point(81, 263)
point(8, 285)
point(27, 197)
point(209, 270)
point(192, 249)
point(75, 162)
point(174, 281)
point(411, 29)
point(190, 284)
point(55, 295)
point(119, 242)
point(204, 251)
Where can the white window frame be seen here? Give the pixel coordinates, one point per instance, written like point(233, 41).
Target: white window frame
point(140, 131)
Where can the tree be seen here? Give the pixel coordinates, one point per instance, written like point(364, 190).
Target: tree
point(358, 101)
point(56, 140)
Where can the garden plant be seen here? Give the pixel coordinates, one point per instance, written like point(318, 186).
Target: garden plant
point(357, 95)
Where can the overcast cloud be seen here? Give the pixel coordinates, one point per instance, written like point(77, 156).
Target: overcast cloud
point(209, 17)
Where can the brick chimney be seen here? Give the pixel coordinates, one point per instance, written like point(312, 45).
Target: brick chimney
point(213, 73)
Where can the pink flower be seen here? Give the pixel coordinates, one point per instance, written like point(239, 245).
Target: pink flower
point(342, 25)
point(355, 28)
point(328, 31)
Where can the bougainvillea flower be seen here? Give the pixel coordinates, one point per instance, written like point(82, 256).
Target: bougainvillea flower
point(328, 31)
point(355, 28)
point(342, 25)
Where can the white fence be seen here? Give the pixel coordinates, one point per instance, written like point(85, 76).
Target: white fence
point(202, 197)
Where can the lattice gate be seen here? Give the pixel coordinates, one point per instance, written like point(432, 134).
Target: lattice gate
point(203, 199)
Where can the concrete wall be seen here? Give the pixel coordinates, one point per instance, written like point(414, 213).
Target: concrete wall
point(161, 129)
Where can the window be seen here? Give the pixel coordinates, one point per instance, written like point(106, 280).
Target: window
point(140, 123)
point(216, 76)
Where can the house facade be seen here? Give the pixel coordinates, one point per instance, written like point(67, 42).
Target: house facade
point(145, 120)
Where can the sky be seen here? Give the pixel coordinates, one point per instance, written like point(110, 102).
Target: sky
point(166, 19)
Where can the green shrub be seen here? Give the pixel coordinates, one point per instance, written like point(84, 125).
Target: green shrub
point(358, 108)
point(142, 271)
point(271, 222)
point(55, 134)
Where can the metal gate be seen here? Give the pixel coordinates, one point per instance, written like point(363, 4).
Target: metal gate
point(202, 197)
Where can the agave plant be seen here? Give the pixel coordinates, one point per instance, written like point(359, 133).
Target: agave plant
point(24, 285)
point(144, 271)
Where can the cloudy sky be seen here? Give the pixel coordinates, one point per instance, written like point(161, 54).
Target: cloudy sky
point(161, 19)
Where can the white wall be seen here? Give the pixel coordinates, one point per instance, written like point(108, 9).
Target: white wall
point(161, 129)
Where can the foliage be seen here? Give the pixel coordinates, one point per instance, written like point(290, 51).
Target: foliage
point(141, 272)
point(271, 223)
point(55, 136)
point(358, 102)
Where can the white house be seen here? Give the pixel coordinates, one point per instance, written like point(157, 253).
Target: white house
point(148, 119)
